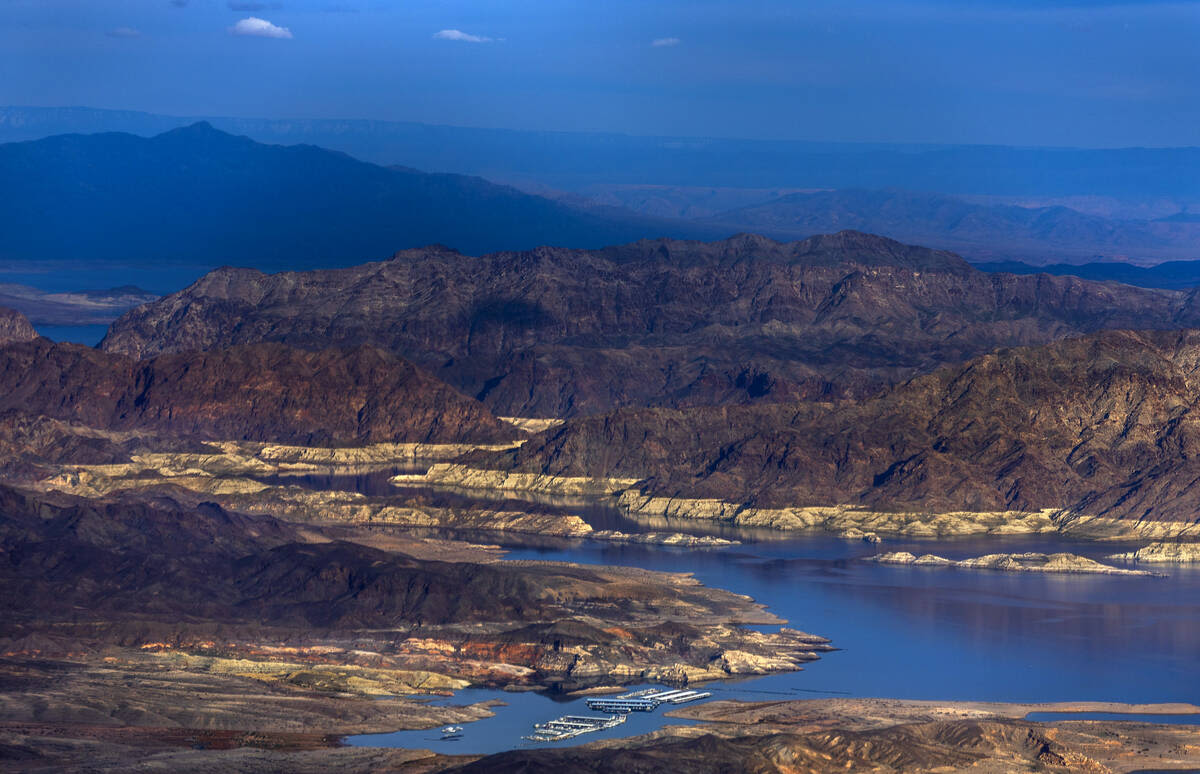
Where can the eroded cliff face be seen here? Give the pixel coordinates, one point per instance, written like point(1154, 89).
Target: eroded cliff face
point(555, 332)
point(1100, 426)
point(14, 327)
point(264, 392)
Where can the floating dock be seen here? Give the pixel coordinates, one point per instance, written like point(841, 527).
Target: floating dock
point(644, 701)
point(569, 726)
point(618, 707)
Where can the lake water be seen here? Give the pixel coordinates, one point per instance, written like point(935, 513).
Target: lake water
point(1136, 717)
point(903, 632)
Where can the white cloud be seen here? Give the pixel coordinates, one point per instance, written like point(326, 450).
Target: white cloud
point(124, 32)
point(461, 36)
point(660, 42)
point(260, 28)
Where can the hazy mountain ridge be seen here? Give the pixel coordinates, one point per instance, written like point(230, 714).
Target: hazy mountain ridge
point(978, 231)
point(198, 196)
point(1169, 275)
point(574, 160)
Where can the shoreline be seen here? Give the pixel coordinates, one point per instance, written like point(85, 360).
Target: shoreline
point(836, 519)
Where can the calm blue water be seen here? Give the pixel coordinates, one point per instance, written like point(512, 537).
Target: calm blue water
point(904, 632)
point(911, 632)
point(510, 723)
point(1140, 717)
point(937, 633)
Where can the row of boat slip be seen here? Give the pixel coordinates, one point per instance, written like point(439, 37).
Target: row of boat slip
point(569, 726)
point(644, 701)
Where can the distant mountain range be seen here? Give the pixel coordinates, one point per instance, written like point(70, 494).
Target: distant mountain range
point(981, 232)
point(199, 196)
point(574, 160)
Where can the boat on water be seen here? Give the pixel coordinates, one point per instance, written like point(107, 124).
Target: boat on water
point(451, 732)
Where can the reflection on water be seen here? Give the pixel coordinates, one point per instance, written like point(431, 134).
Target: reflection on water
point(905, 632)
point(373, 483)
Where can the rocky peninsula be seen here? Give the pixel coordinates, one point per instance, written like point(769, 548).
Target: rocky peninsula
point(1162, 553)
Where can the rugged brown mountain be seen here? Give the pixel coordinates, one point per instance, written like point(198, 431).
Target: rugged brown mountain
point(939, 746)
point(263, 392)
point(1105, 424)
point(556, 332)
point(14, 327)
point(159, 572)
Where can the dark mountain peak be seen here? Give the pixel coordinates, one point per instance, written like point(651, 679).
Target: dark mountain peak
point(225, 282)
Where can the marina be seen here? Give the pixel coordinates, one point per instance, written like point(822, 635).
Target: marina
point(906, 632)
point(569, 726)
point(645, 701)
point(618, 707)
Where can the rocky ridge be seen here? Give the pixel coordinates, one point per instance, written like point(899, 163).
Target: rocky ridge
point(554, 332)
point(14, 327)
point(264, 392)
point(1091, 434)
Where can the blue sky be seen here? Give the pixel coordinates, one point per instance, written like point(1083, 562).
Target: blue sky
point(1007, 72)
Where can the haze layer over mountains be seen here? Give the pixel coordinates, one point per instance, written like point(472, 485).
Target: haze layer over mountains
point(196, 197)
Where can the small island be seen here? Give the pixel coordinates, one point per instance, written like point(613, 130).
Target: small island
point(1029, 562)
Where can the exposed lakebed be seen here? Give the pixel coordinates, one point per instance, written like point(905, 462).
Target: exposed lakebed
point(907, 632)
